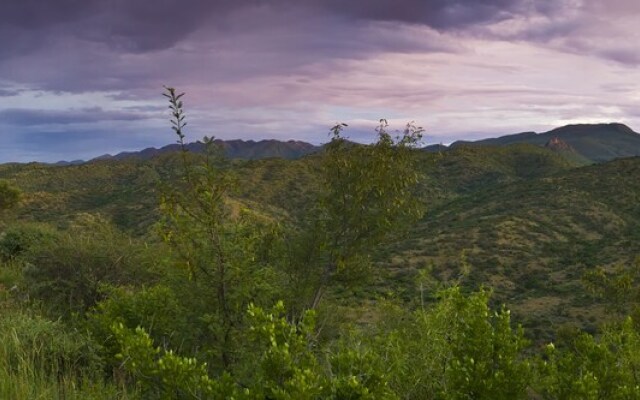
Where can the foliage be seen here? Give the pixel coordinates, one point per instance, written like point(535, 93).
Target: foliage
point(19, 238)
point(163, 374)
point(368, 194)
point(250, 233)
point(593, 368)
point(531, 240)
point(220, 242)
point(10, 195)
point(618, 287)
point(458, 349)
point(69, 272)
point(285, 365)
point(532, 224)
point(156, 309)
point(368, 190)
point(359, 371)
point(33, 345)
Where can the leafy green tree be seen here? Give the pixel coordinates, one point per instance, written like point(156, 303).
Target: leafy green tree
point(368, 195)
point(219, 241)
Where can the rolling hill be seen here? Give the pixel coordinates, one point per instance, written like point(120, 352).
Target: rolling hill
point(592, 142)
point(531, 240)
point(528, 219)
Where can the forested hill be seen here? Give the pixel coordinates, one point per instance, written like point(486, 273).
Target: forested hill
point(127, 189)
point(586, 142)
point(524, 222)
point(532, 240)
point(529, 220)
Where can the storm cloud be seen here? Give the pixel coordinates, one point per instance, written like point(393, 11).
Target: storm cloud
point(84, 69)
point(150, 25)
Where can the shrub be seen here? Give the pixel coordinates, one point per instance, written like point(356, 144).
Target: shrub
point(68, 273)
point(18, 239)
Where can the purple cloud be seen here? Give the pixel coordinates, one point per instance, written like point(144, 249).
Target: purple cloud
point(290, 69)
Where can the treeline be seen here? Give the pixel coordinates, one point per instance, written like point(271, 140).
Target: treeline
point(229, 302)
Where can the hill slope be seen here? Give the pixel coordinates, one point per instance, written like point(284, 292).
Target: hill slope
point(595, 143)
point(532, 240)
point(529, 221)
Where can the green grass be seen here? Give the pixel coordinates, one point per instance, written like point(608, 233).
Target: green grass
point(42, 359)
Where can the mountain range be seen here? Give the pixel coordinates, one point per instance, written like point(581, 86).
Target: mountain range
point(583, 143)
point(241, 149)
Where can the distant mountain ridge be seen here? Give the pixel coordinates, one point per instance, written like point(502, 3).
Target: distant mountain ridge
point(582, 143)
point(242, 149)
point(592, 142)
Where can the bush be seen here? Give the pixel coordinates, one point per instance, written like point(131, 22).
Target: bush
point(458, 349)
point(593, 368)
point(155, 309)
point(69, 273)
point(18, 239)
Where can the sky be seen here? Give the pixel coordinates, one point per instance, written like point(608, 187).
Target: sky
point(81, 78)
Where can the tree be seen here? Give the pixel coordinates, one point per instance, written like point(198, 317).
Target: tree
point(368, 195)
point(219, 241)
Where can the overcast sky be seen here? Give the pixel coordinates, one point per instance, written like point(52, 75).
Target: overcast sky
point(80, 78)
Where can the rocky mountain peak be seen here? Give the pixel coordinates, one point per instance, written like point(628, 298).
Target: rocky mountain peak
point(555, 143)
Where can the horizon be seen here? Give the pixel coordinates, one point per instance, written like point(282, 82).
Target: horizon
point(422, 145)
point(83, 79)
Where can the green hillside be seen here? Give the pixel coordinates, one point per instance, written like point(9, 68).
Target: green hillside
point(134, 316)
point(529, 221)
point(595, 143)
point(467, 169)
point(127, 190)
point(532, 240)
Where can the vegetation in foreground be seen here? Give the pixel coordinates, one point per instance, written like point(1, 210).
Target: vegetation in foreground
point(223, 299)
